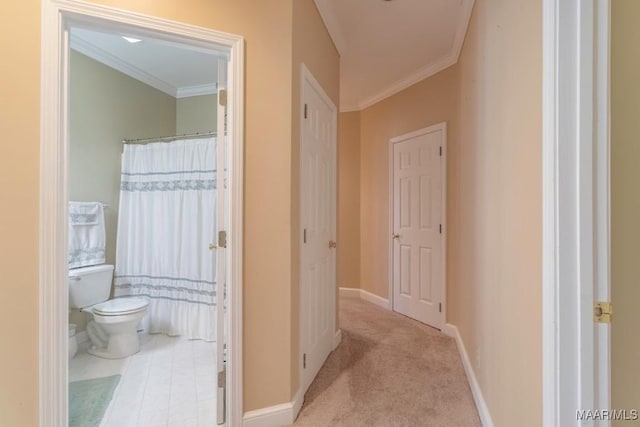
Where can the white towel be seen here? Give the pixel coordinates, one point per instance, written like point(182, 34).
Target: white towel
point(87, 237)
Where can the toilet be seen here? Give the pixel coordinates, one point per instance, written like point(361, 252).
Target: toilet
point(113, 326)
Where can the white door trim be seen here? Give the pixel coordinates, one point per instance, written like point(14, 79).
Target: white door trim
point(443, 127)
point(53, 291)
point(308, 77)
point(575, 218)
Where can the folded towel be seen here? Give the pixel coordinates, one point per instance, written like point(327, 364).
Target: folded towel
point(87, 236)
point(84, 213)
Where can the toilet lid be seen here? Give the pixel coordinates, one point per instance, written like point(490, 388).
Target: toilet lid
point(120, 306)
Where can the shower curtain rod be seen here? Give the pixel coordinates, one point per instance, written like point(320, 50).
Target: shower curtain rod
point(168, 138)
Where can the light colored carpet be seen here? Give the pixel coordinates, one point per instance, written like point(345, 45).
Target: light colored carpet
point(389, 371)
point(89, 399)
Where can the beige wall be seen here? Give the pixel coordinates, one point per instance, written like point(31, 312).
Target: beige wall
point(497, 199)
point(106, 106)
point(349, 200)
point(19, 186)
point(625, 205)
point(492, 103)
point(426, 103)
point(312, 46)
point(196, 114)
point(267, 28)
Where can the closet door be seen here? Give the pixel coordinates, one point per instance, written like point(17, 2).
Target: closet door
point(318, 222)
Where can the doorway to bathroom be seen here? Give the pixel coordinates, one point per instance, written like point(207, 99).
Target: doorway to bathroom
point(144, 275)
point(146, 173)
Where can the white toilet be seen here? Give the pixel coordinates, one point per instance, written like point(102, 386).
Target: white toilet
point(113, 332)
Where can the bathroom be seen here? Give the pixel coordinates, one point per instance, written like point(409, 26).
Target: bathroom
point(144, 212)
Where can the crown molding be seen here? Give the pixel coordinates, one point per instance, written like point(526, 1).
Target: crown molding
point(197, 90)
point(344, 108)
point(463, 25)
point(331, 23)
point(445, 61)
point(423, 73)
point(124, 67)
point(104, 57)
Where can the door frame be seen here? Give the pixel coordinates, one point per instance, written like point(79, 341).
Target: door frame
point(306, 76)
point(576, 237)
point(443, 171)
point(57, 15)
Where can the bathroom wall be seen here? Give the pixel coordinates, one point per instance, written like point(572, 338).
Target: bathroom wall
point(196, 114)
point(625, 205)
point(105, 107)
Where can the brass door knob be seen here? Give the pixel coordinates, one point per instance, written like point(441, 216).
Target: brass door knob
point(333, 244)
point(395, 236)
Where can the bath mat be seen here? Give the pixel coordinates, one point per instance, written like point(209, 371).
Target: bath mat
point(89, 400)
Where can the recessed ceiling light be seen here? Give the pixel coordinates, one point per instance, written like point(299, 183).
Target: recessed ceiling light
point(131, 39)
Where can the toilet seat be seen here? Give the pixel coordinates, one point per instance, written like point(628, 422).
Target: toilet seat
point(120, 306)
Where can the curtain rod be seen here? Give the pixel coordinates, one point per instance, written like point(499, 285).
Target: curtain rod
point(168, 138)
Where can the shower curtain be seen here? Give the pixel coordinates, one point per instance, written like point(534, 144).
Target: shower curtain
point(166, 220)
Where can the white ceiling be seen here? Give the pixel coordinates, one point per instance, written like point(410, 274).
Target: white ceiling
point(386, 46)
point(175, 69)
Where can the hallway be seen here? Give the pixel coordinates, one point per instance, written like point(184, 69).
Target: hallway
point(389, 370)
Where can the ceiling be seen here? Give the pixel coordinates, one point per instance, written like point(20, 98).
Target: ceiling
point(175, 69)
point(387, 46)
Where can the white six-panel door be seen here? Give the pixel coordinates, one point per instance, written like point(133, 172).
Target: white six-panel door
point(417, 218)
point(318, 226)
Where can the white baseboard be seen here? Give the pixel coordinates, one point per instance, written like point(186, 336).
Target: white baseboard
point(375, 299)
point(449, 330)
point(337, 339)
point(349, 292)
point(275, 416)
point(367, 296)
point(481, 404)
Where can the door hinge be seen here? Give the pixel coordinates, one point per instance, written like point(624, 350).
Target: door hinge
point(222, 239)
point(440, 228)
point(222, 378)
point(602, 312)
point(440, 151)
point(440, 307)
point(304, 236)
point(305, 110)
point(222, 392)
point(222, 97)
point(304, 361)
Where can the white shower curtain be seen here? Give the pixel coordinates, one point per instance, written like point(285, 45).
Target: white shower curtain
point(166, 220)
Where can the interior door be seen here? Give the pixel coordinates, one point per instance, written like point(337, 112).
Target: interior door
point(221, 253)
point(417, 183)
point(318, 223)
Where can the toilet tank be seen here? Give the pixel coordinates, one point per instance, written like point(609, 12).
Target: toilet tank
point(89, 285)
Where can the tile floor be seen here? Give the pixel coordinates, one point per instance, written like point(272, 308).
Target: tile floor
point(170, 382)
